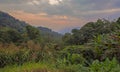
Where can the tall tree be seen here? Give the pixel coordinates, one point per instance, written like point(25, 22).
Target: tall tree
point(33, 33)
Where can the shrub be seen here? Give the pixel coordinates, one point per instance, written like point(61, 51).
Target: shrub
point(106, 66)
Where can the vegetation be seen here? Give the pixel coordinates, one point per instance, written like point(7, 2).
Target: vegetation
point(90, 30)
point(93, 48)
point(10, 22)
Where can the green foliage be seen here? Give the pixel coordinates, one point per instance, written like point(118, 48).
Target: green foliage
point(33, 33)
point(49, 35)
point(13, 54)
point(30, 67)
point(67, 39)
point(8, 35)
point(78, 54)
point(8, 21)
point(118, 21)
point(96, 66)
point(90, 30)
point(77, 59)
point(99, 51)
point(17, 57)
point(106, 66)
point(106, 46)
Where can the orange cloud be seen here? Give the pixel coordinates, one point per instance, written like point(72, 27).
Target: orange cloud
point(42, 19)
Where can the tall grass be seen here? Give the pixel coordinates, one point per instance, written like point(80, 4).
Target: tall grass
point(28, 67)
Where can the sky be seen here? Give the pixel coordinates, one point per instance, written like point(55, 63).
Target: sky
point(61, 15)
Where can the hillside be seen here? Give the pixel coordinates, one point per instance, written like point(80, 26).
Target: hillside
point(8, 21)
point(95, 47)
point(49, 32)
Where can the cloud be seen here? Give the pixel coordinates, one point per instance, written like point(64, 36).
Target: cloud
point(101, 11)
point(61, 13)
point(43, 14)
point(55, 2)
point(54, 22)
point(75, 8)
point(60, 17)
point(34, 2)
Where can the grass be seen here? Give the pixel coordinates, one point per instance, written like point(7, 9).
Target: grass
point(43, 67)
point(29, 67)
point(96, 66)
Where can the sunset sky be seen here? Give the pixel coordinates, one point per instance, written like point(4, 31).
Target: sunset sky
point(61, 15)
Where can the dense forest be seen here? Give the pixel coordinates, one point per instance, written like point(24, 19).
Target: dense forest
point(95, 47)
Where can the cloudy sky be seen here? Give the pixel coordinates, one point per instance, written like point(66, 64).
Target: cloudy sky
point(61, 15)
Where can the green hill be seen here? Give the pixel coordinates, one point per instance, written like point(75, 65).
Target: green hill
point(8, 21)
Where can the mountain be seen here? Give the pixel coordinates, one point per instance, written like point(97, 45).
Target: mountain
point(8, 21)
point(49, 33)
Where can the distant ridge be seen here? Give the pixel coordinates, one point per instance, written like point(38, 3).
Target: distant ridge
point(46, 31)
point(7, 20)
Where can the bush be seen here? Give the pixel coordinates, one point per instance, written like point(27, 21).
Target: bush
point(106, 66)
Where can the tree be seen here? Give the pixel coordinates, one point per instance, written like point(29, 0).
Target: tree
point(118, 21)
point(67, 38)
point(8, 35)
point(92, 29)
point(32, 32)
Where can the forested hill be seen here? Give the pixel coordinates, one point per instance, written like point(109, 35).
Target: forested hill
point(48, 32)
point(95, 47)
point(8, 21)
point(91, 30)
